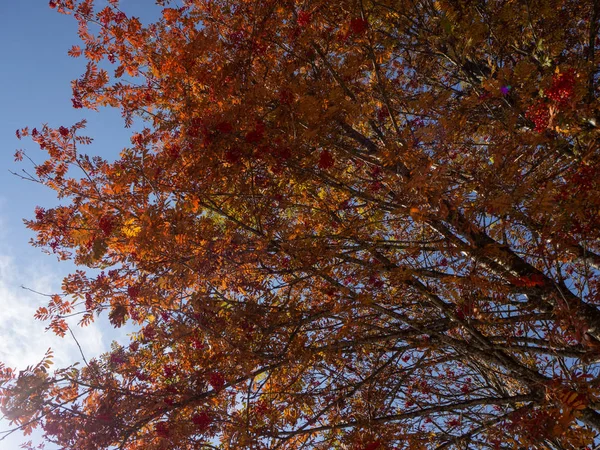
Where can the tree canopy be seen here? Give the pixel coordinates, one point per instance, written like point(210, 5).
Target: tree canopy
point(350, 224)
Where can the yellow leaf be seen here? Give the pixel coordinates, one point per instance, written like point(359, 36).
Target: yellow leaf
point(81, 236)
point(131, 228)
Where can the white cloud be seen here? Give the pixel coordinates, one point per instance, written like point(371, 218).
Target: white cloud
point(24, 339)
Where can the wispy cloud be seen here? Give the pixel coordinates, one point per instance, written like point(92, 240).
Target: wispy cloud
point(24, 339)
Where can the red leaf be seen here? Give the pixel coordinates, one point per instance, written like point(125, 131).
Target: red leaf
point(75, 51)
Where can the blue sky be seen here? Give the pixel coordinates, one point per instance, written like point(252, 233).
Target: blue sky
point(35, 89)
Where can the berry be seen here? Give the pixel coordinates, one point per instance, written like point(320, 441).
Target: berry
point(202, 420)
point(162, 429)
point(358, 26)
point(39, 213)
point(106, 224)
point(326, 160)
point(563, 86)
point(133, 291)
point(304, 18)
point(216, 380)
point(539, 114)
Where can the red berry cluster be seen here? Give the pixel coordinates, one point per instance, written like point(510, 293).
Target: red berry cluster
point(120, 17)
point(133, 291)
point(216, 380)
point(375, 445)
point(106, 224)
point(358, 26)
point(383, 113)
point(224, 127)
point(531, 281)
point(286, 97)
point(169, 371)
point(40, 213)
point(256, 135)
point(202, 420)
point(539, 114)
point(162, 429)
point(326, 161)
point(563, 86)
point(304, 18)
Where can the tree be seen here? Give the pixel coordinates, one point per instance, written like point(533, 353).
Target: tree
point(352, 224)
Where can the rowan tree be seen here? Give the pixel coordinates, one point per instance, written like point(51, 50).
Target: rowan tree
point(348, 224)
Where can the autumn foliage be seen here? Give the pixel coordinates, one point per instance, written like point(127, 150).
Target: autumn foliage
point(341, 225)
